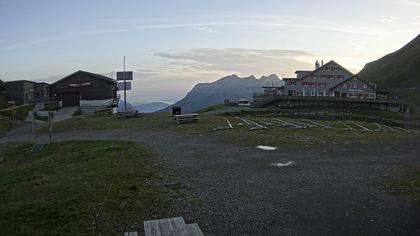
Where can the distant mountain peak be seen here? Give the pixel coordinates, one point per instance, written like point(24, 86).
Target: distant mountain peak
point(250, 77)
point(270, 77)
point(230, 87)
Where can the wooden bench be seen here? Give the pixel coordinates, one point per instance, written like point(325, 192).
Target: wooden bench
point(186, 118)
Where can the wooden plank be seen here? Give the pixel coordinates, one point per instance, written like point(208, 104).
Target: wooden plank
point(177, 224)
point(130, 233)
point(169, 226)
point(165, 227)
point(193, 230)
point(229, 124)
point(151, 227)
point(347, 126)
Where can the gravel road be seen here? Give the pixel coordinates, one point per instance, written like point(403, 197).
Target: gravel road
point(331, 191)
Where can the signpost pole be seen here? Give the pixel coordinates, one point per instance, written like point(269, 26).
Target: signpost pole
point(50, 125)
point(33, 126)
point(125, 90)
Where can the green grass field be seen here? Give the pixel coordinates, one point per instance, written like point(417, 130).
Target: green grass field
point(276, 136)
point(59, 190)
point(406, 183)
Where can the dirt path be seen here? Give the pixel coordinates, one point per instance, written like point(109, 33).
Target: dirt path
point(335, 191)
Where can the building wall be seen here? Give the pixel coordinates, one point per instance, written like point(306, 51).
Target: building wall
point(355, 88)
point(21, 92)
point(89, 87)
point(318, 83)
point(42, 92)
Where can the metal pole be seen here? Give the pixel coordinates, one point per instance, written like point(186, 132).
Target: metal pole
point(50, 118)
point(33, 126)
point(125, 91)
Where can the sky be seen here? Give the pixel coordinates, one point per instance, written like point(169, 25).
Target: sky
point(173, 45)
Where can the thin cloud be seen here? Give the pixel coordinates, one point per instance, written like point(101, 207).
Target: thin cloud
point(179, 71)
point(207, 30)
point(240, 61)
point(185, 25)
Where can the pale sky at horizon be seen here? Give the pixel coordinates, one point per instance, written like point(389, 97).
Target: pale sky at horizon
point(172, 45)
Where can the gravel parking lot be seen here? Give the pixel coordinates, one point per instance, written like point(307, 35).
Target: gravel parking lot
point(336, 190)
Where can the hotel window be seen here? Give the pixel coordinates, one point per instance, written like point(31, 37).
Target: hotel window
point(364, 85)
point(344, 85)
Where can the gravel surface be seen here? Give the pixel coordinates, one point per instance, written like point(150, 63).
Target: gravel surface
point(331, 191)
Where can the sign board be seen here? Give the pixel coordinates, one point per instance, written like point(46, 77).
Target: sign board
point(128, 75)
point(121, 85)
point(86, 84)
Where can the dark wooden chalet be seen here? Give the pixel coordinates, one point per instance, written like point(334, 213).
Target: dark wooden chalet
point(83, 85)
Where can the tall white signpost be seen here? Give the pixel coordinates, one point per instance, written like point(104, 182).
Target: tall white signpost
point(124, 76)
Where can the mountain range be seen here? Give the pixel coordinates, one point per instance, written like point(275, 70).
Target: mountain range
point(230, 87)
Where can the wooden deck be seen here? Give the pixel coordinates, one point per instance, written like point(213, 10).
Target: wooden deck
point(261, 100)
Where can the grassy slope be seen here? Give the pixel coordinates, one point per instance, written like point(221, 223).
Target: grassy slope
point(398, 70)
point(21, 112)
point(412, 98)
point(58, 190)
point(406, 183)
point(240, 134)
point(211, 108)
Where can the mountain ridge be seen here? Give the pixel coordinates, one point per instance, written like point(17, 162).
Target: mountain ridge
point(230, 87)
point(398, 72)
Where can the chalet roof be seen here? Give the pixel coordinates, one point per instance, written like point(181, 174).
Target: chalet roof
point(353, 77)
point(19, 81)
point(98, 76)
point(322, 67)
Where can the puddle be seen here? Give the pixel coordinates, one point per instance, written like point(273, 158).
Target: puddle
point(266, 148)
point(279, 164)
